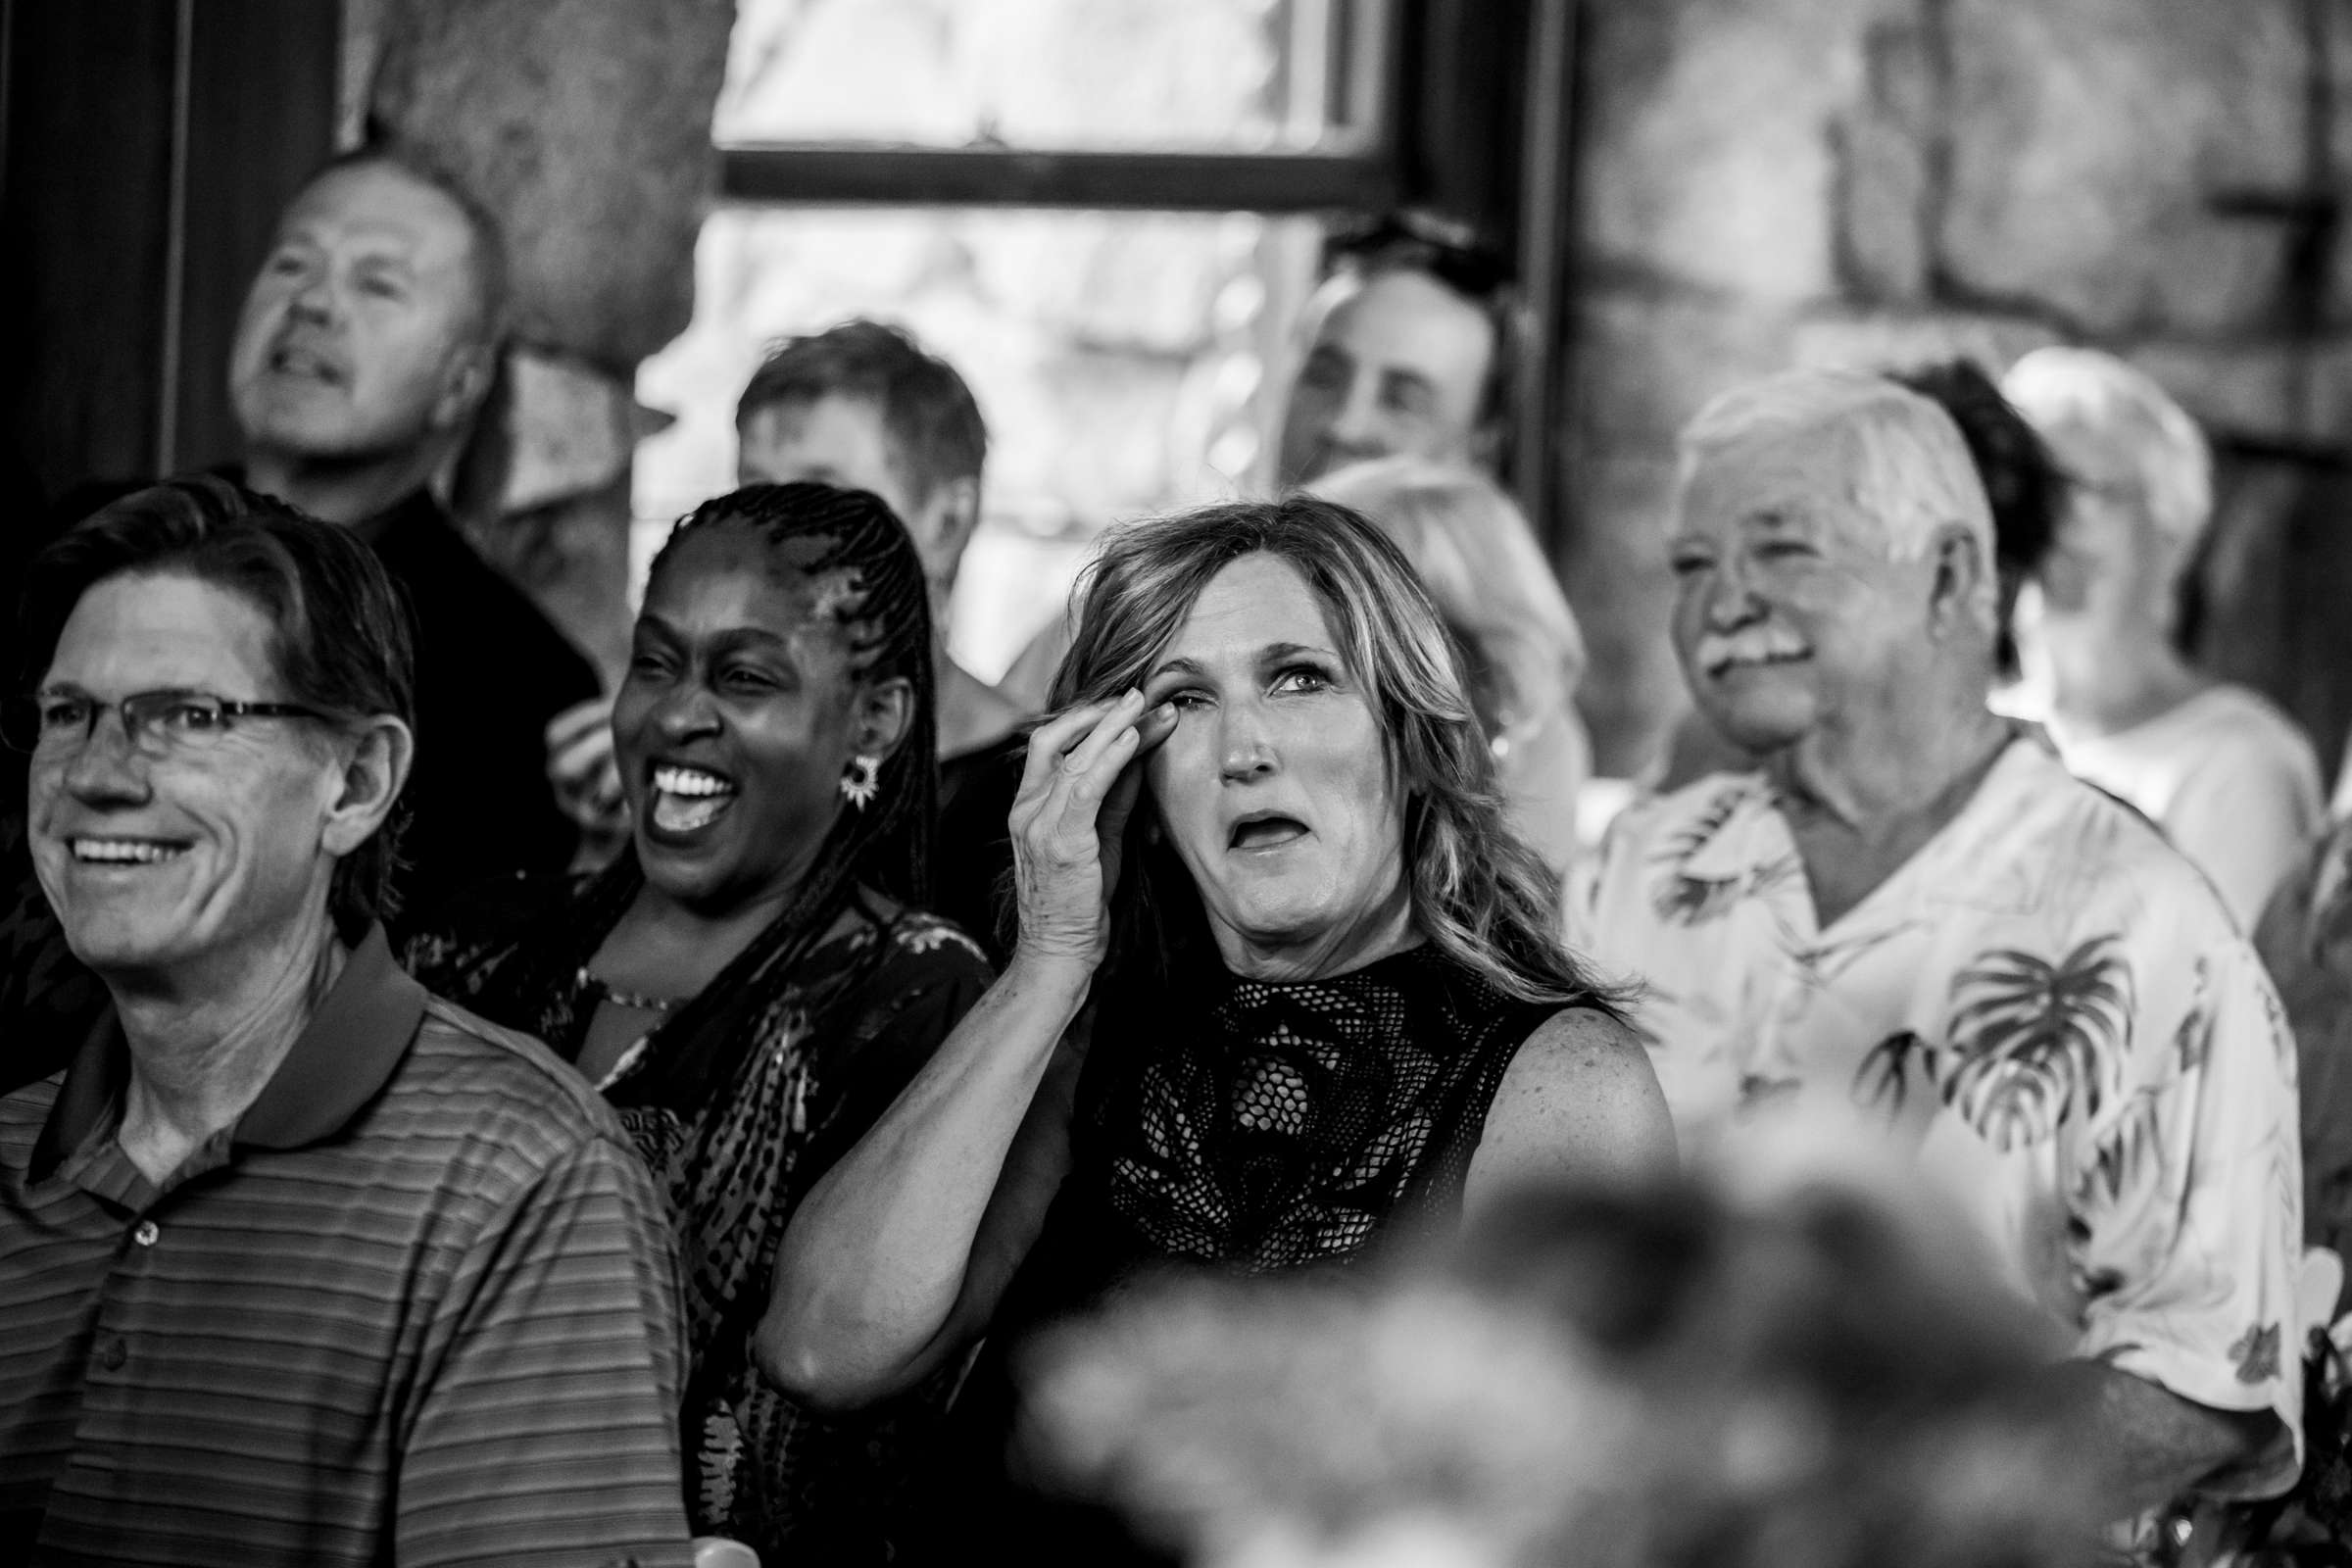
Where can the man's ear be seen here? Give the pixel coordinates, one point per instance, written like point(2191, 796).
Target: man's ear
point(885, 716)
point(950, 515)
point(465, 385)
point(1967, 589)
point(372, 780)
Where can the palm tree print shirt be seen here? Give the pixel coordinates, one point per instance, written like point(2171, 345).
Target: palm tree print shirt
point(2047, 1006)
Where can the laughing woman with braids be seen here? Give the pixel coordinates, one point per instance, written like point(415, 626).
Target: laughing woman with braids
point(1262, 863)
point(754, 982)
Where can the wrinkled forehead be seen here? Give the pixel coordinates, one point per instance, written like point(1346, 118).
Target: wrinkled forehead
point(165, 628)
point(1401, 318)
point(1257, 601)
point(1803, 480)
point(381, 204)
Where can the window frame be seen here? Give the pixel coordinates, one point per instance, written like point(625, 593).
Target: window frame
point(1415, 124)
point(842, 175)
point(1364, 71)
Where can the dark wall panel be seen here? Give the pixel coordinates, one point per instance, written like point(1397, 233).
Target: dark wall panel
point(129, 121)
point(84, 232)
point(261, 116)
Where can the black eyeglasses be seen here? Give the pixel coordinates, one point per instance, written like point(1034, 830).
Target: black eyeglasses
point(155, 723)
point(1445, 248)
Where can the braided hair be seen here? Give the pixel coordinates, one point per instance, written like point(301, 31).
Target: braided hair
point(886, 618)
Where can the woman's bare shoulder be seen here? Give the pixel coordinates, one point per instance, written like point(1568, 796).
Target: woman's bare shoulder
point(1579, 1100)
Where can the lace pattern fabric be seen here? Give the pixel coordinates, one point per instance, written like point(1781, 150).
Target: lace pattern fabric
point(801, 1060)
point(1289, 1124)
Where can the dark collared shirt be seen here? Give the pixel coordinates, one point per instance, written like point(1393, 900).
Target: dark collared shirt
point(491, 671)
point(417, 1306)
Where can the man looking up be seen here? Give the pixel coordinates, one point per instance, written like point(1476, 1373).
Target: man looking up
point(1408, 351)
point(301, 1265)
point(1912, 915)
point(367, 342)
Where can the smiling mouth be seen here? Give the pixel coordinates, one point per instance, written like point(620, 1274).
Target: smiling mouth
point(1265, 833)
point(1724, 666)
point(688, 800)
point(126, 852)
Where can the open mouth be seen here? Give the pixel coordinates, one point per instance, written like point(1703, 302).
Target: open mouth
point(687, 800)
point(1265, 830)
point(288, 360)
point(126, 852)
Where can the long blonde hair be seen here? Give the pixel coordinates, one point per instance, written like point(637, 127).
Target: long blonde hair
point(1486, 573)
point(1478, 892)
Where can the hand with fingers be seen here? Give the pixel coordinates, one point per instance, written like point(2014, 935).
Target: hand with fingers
point(1070, 823)
point(581, 768)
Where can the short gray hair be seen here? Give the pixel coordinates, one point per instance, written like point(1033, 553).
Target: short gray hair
point(1910, 469)
point(2125, 411)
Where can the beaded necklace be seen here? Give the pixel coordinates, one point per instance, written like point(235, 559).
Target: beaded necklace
point(625, 998)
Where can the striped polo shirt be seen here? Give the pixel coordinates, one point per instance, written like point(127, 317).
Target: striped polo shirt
point(417, 1306)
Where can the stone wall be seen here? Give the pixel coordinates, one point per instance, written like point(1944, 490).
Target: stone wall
point(585, 125)
point(1765, 182)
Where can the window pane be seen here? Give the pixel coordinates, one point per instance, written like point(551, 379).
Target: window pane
point(1120, 359)
point(1237, 76)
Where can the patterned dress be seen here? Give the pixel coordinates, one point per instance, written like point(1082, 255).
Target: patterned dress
point(818, 1055)
point(2046, 1006)
point(1249, 1126)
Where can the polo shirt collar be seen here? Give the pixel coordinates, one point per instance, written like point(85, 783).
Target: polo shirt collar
point(344, 1057)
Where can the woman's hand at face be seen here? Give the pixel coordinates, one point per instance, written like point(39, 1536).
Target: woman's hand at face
point(1070, 823)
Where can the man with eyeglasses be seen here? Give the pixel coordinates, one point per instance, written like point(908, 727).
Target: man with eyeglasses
point(300, 1264)
point(366, 353)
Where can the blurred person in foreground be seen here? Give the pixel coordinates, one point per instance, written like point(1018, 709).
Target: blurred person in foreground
point(1911, 909)
point(1409, 348)
point(2102, 633)
point(302, 1264)
point(1285, 986)
point(1664, 1374)
point(1488, 576)
point(756, 978)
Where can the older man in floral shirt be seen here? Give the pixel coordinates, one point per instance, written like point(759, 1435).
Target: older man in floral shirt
point(1913, 913)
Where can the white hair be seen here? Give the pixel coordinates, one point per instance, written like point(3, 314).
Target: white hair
point(2078, 396)
point(1910, 470)
point(1482, 565)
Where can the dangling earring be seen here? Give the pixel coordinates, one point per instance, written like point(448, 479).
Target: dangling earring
point(863, 782)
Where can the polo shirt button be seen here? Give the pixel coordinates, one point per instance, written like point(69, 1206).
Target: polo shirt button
point(147, 1233)
point(112, 1353)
